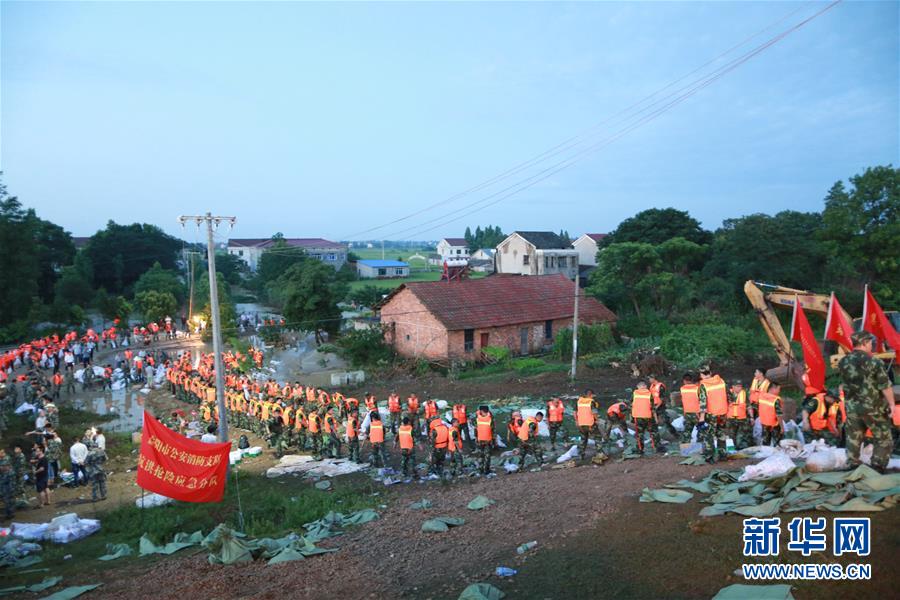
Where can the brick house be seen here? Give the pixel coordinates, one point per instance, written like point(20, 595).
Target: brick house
point(442, 320)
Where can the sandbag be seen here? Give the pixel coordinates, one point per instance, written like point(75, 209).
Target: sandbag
point(776, 465)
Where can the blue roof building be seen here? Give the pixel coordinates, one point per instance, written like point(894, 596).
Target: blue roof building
point(381, 269)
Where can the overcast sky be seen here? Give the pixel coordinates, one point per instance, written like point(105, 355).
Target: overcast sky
point(326, 120)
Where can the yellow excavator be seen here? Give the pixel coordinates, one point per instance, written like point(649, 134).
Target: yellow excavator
point(765, 297)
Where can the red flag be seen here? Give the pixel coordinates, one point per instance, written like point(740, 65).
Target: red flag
point(876, 322)
point(181, 468)
point(837, 328)
point(812, 354)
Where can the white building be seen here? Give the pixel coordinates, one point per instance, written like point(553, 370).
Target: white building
point(587, 248)
point(536, 253)
point(381, 269)
point(453, 248)
point(250, 250)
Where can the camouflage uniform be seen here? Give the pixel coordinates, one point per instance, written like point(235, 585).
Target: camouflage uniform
point(69, 383)
point(641, 426)
point(531, 446)
point(810, 404)
point(275, 427)
point(20, 469)
point(94, 467)
point(7, 485)
point(713, 433)
point(864, 378)
point(662, 415)
point(691, 420)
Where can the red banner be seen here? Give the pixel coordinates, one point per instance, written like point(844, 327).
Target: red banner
point(875, 322)
point(837, 327)
point(812, 354)
point(180, 468)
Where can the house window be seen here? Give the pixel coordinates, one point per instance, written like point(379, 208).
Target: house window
point(458, 251)
point(331, 257)
point(546, 262)
point(525, 258)
point(548, 330)
point(240, 252)
point(382, 272)
point(407, 337)
point(399, 272)
point(469, 342)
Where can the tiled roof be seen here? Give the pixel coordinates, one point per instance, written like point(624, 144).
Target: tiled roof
point(501, 300)
point(596, 236)
point(456, 241)
point(293, 242)
point(544, 240)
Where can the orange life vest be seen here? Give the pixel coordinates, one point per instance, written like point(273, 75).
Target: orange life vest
point(690, 398)
point(394, 403)
point(376, 432)
point(616, 410)
point(767, 415)
point(351, 428)
point(641, 401)
point(655, 388)
point(455, 440)
point(370, 403)
point(555, 411)
point(895, 415)
point(584, 416)
point(405, 435)
point(716, 396)
point(738, 408)
point(524, 428)
point(431, 410)
point(412, 405)
point(833, 413)
point(441, 435)
point(459, 413)
point(758, 386)
point(818, 419)
point(483, 427)
point(299, 420)
point(330, 425)
point(314, 423)
point(286, 416)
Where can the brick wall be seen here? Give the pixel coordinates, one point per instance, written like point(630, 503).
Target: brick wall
point(508, 336)
point(411, 329)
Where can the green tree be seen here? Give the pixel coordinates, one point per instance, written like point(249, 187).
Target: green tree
point(120, 254)
point(230, 266)
point(367, 295)
point(54, 250)
point(72, 288)
point(156, 306)
point(310, 300)
point(861, 235)
point(620, 270)
point(655, 226)
point(21, 268)
point(157, 279)
point(227, 312)
point(783, 249)
point(112, 307)
point(276, 261)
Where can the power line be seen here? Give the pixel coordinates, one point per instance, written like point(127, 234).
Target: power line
point(576, 140)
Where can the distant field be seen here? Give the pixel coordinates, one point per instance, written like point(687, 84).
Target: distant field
point(390, 284)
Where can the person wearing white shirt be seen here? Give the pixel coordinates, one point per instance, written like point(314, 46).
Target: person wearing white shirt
point(100, 439)
point(210, 436)
point(78, 455)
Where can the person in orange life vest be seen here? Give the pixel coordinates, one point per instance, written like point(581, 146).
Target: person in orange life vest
point(375, 435)
point(895, 425)
point(370, 402)
point(57, 384)
point(770, 415)
point(405, 440)
point(642, 415)
point(455, 448)
point(759, 385)
point(484, 437)
point(314, 427)
point(555, 412)
point(300, 428)
point(616, 416)
point(713, 397)
point(528, 440)
point(462, 419)
point(412, 410)
point(821, 416)
point(440, 440)
point(512, 429)
point(353, 435)
point(660, 394)
point(395, 411)
point(586, 421)
point(690, 405)
point(107, 377)
point(431, 410)
point(737, 423)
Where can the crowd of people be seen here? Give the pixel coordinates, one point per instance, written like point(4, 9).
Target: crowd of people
point(305, 418)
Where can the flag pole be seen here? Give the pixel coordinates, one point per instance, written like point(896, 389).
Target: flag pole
point(830, 310)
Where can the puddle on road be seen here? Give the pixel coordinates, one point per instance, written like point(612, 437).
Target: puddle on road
point(127, 406)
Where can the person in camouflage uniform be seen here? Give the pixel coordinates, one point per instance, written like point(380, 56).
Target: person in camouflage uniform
point(54, 455)
point(353, 435)
point(69, 383)
point(738, 423)
point(7, 483)
point(712, 427)
point(810, 406)
point(660, 391)
point(94, 468)
point(20, 469)
point(275, 428)
point(868, 399)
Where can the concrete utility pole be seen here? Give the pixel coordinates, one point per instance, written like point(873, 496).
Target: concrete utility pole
point(214, 309)
point(575, 330)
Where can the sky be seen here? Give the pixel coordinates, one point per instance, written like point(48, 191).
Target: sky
point(342, 120)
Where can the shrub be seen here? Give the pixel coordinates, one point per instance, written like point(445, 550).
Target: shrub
point(591, 339)
point(498, 353)
point(365, 347)
point(692, 345)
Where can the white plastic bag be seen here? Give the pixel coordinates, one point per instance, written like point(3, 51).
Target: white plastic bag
point(775, 466)
point(572, 453)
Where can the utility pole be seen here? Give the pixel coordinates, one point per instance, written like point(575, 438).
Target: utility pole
point(191, 277)
point(210, 221)
point(382, 249)
point(575, 330)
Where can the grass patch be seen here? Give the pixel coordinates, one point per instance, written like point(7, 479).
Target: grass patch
point(525, 366)
point(389, 284)
point(271, 508)
point(72, 422)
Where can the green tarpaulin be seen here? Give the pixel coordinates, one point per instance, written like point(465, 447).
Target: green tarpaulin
point(46, 584)
point(441, 524)
point(739, 591)
point(323, 485)
point(180, 542)
point(481, 591)
point(665, 495)
point(114, 551)
point(421, 504)
point(480, 502)
point(71, 592)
